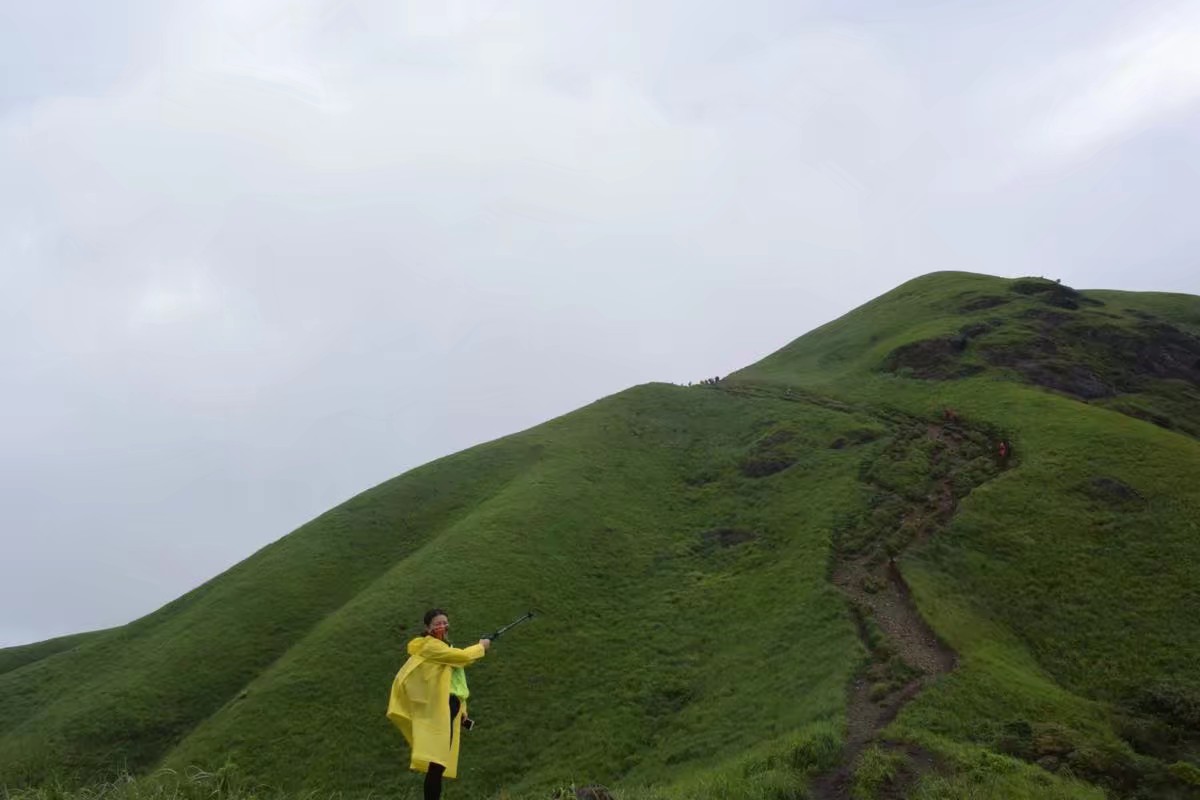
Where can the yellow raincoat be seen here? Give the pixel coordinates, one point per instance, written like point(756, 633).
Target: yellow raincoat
point(419, 704)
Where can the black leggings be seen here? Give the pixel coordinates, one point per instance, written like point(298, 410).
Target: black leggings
point(433, 777)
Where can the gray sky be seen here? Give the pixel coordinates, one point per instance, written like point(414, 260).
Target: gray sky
point(256, 257)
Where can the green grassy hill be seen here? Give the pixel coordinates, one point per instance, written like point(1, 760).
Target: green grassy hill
point(733, 578)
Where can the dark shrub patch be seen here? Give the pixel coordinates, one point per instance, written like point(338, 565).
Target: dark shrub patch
point(976, 329)
point(1035, 361)
point(1167, 352)
point(1108, 766)
point(701, 478)
point(1091, 361)
point(1071, 379)
point(863, 435)
point(981, 303)
point(726, 537)
point(1145, 414)
point(1052, 741)
point(1053, 293)
point(1186, 773)
point(762, 466)
point(1130, 358)
point(856, 436)
point(776, 438)
point(1056, 747)
point(1149, 736)
point(1169, 701)
point(668, 699)
point(1038, 286)
point(1049, 318)
point(1016, 739)
point(1113, 493)
point(773, 453)
point(932, 359)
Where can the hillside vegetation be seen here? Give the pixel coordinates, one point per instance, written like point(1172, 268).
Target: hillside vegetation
point(819, 576)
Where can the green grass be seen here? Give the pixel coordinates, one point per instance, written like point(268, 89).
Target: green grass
point(875, 771)
point(670, 662)
point(977, 773)
point(636, 671)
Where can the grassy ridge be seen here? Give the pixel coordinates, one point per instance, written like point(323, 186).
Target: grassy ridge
point(677, 540)
point(13, 657)
point(610, 520)
point(637, 670)
point(1064, 583)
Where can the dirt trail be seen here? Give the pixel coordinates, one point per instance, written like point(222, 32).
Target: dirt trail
point(871, 707)
point(906, 655)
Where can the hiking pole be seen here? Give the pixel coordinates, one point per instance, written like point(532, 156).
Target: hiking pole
point(496, 634)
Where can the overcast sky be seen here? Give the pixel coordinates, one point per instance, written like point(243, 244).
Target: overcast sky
point(256, 257)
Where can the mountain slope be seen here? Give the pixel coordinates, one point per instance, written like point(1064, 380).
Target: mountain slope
point(1066, 580)
point(681, 543)
point(125, 695)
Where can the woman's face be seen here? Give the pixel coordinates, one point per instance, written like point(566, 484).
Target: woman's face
point(438, 626)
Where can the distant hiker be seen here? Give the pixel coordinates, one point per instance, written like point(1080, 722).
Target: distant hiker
point(1004, 450)
point(428, 702)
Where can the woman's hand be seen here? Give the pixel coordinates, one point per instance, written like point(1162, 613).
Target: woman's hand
point(486, 643)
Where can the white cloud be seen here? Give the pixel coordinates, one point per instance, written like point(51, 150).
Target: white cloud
point(1122, 87)
point(186, 297)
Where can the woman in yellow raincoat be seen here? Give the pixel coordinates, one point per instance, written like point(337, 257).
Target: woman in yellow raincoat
point(429, 700)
